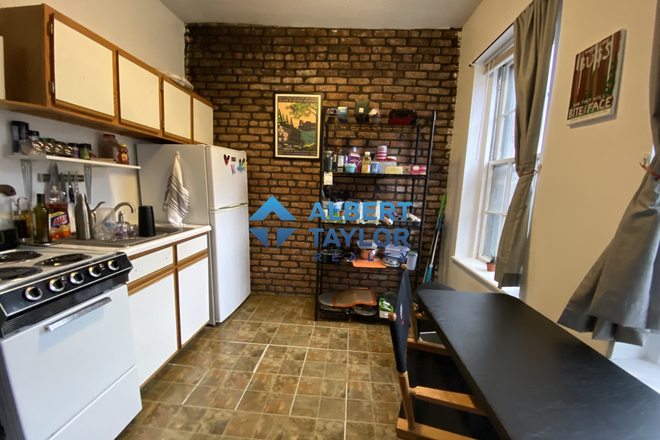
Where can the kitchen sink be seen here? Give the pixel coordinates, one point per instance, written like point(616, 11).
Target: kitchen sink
point(161, 231)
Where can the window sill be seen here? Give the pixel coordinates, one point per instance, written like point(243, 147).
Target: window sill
point(477, 269)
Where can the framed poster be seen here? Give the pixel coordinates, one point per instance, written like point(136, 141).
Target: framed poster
point(297, 125)
point(596, 78)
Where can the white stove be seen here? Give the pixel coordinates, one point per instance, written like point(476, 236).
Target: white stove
point(67, 360)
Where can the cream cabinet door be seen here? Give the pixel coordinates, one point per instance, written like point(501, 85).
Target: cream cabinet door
point(83, 72)
point(176, 111)
point(202, 122)
point(153, 317)
point(194, 298)
point(139, 95)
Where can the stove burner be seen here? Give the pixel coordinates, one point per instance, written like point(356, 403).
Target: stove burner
point(19, 256)
point(13, 273)
point(62, 260)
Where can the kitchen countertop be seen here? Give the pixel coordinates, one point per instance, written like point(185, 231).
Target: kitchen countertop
point(193, 230)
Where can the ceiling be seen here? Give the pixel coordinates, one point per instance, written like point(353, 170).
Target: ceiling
point(352, 14)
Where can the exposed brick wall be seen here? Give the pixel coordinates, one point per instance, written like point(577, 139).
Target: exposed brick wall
point(240, 68)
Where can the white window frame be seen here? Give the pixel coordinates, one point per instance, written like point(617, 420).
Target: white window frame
point(491, 145)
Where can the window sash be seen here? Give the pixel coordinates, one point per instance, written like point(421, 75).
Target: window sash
point(510, 162)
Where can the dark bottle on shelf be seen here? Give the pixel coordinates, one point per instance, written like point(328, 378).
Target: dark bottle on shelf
point(41, 221)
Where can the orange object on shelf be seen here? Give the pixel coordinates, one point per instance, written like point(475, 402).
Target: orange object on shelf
point(375, 264)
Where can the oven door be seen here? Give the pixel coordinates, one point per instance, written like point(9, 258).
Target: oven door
point(55, 369)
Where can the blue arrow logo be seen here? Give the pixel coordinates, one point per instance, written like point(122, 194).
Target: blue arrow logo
point(272, 206)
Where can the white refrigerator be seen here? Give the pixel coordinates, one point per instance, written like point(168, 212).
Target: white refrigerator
point(219, 198)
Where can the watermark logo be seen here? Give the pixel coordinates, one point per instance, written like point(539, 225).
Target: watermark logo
point(272, 206)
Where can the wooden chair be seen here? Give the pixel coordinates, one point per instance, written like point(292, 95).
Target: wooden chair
point(438, 405)
point(421, 327)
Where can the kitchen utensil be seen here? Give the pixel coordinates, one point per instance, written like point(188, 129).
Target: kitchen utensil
point(327, 255)
point(8, 233)
point(104, 226)
point(72, 196)
point(88, 182)
point(26, 169)
point(411, 261)
point(390, 262)
point(146, 223)
point(53, 190)
point(368, 252)
point(84, 223)
point(363, 310)
point(349, 298)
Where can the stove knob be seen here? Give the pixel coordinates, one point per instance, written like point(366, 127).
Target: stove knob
point(113, 265)
point(94, 272)
point(76, 278)
point(56, 285)
point(33, 293)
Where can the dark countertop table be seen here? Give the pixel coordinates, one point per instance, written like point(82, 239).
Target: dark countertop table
point(536, 380)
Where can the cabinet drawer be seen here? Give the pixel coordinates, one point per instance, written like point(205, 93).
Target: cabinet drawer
point(191, 247)
point(143, 266)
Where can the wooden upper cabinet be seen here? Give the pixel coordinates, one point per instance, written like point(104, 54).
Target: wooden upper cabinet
point(202, 121)
point(139, 93)
point(66, 72)
point(177, 112)
point(83, 69)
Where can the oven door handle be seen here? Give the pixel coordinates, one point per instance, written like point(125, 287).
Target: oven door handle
point(72, 317)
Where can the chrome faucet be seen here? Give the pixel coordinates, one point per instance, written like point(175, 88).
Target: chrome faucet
point(130, 205)
point(121, 213)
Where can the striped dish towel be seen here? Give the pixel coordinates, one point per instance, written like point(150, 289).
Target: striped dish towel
point(177, 200)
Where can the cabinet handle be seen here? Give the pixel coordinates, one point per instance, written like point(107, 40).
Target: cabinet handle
point(72, 317)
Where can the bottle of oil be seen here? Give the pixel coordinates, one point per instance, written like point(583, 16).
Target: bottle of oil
point(41, 221)
point(366, 163)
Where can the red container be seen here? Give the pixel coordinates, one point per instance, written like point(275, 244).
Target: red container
point(418, 169)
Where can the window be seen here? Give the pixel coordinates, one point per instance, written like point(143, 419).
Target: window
point(499, 166)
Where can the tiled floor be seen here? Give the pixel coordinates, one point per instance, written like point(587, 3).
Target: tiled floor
point(271, 372)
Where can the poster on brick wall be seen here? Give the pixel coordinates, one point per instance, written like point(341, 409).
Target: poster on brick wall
point(297, 125)
point(596, 78)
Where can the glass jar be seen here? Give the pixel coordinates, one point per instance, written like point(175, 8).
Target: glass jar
point(108, 147)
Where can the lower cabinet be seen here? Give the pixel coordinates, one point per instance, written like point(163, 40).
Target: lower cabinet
point(193, 298)
point(169, 298)
point(153, 316)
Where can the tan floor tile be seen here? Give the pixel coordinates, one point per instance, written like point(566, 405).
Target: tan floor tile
point(215, 421)
point(360, 411)
point(237, 380)
point(254, 350)
point(270, 365)
point(299, 428)
point(279, 404)
point(329, 430)
point(358, 358)
point(154, 389)
point(202, 396)
point(359, 390)
point(333, 388)
point(337, 357)
point(176, 393)
point(275, 352)
point(181, 374)
point(281, 339)
point(253, 401)
point(310, 386)
point(359, 431)
point(271, 427)
point(214, 378)
point(262, 382)
point(147, 407)
point(381, 374)
point(306, 406)
point(295, 354)
point(285, 384)
point(385, 432)
point(291, 368)
point(246, 364)
point(383, 392)
point(227, 399)
point(224, 361)
point(358, 345)
point(188, 419)
point(317, 355)
point(205, 360)
point(336, 371)
point(243, 424)
point(313, 369)
point(359, 373)
point(334, 409)
point(386, 412)
point(161, 415)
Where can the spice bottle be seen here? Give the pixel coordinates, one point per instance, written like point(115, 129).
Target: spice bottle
point(339, 160)
point(366, 163)
point(41, 221)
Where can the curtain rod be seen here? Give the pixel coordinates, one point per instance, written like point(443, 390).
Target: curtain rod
point(491, 45)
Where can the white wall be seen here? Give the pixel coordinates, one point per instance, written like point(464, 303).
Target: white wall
point(144, 28)
point(589, 173)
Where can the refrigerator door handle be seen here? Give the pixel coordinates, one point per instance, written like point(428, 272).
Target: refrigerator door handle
point(230, 208)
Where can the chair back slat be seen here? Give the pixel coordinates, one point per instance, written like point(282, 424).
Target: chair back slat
point(399, 327)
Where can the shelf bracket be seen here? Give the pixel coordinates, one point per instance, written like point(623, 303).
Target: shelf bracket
point(88, 182)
